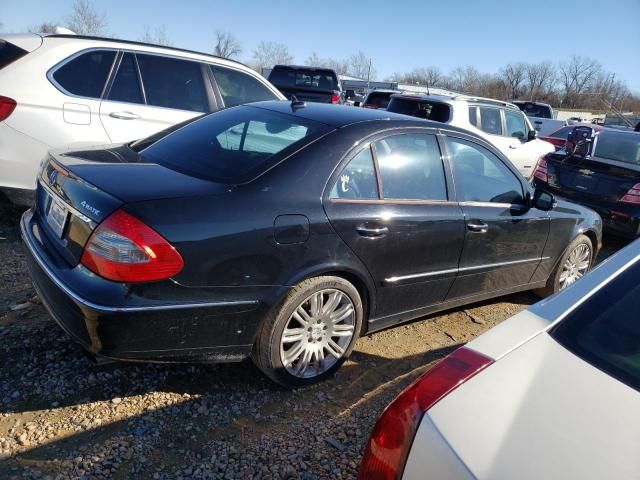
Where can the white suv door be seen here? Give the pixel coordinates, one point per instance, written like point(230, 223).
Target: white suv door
point(523, 153)
point(152, 92)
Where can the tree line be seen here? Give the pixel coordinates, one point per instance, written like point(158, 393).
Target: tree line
point(579, 82)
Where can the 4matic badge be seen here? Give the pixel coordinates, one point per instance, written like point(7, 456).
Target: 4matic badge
point(89, 208)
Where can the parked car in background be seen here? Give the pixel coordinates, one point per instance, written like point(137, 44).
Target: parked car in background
point(553, 392)
point(308, 84)
point(378, 98)
point(501, 123)
point(541, 116)
point(606, 179)
point(351, 97)
point(285, 231)
point(61, 89)
point(559, 137)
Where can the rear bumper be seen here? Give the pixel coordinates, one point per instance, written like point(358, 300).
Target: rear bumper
point(125, 322)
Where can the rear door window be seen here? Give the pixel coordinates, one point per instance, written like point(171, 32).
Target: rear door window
point(86, 74)
point(9, 53)
point(232, 145)
point(411, 167)
point(126, 84)
point(358, 180)
point(490, 121)
point(237, 87)
point(173, 83)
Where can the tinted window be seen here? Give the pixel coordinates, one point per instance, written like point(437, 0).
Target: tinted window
point(9, 53)
point(605, 330)
point(436, 111)
point(535, 110)
point(473, 116)
point(379, 99)
point(232, 145)
point(623, 147)
point(515, 125)
point(126, 85)
point(358, 179)
point(490, 120)
point(237, 87)
point(411, 167)
point(481, 176)
point(562, 133)
point(321, 79)
point(173, 83)
point(86, 75)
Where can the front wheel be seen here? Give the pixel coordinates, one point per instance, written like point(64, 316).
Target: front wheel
point(573, 265)
point(311, 334)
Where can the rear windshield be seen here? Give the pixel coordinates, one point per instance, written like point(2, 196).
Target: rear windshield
point(296, 78)
point(436, 111)
point(620, 146)
point(232, 145)
point(379, 99)
point(9, 53)
point(605, 330)
point(535, 110)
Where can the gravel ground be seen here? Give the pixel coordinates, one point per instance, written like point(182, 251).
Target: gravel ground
point(63, 416)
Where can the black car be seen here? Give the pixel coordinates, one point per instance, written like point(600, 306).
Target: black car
point(285, 231)
point(607, 179)
point(309, 84)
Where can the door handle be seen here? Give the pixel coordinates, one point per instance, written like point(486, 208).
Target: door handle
point(514, 146)
point(477, 227)
point(371, 231)
point(124, 115)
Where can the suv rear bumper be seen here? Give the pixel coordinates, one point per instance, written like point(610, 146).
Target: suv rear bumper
point(132, 328)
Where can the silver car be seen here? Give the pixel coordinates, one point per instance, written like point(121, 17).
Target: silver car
point(553, 393)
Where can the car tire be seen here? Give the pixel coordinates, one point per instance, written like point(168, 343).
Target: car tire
point(311, 333)
point(576, 260)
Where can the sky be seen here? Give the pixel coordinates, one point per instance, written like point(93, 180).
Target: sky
point(398, 35)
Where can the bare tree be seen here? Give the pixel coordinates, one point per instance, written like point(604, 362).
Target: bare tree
point(465, 79)
point(540, 79)
point(158, 36)
point(431, 76)
point(575, 76)
point(513, 75)
point(227, 45)
point(44, 27)
point(341, 67)
point(360, 66)
point(268, 54)
point(85, 20)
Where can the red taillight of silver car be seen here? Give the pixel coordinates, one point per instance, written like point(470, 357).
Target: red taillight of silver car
point(389, 445)
point(124, 249)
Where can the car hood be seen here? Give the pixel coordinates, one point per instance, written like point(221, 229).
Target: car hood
point(126, 175)
point(542, 412)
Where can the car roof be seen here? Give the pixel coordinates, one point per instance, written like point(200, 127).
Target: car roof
point(451, 99)
point(304, 67)
point(342, 115)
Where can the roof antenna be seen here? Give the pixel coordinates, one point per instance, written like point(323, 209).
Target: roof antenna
point(296, 104)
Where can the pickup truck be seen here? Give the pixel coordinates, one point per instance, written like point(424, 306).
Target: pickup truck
point(541, 117)
point(309, 84)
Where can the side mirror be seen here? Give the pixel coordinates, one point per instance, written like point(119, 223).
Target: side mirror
point(580, 141)
point(543, 200)
point(532, 135)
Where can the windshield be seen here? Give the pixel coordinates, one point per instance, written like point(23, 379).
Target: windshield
point(321, 79)
point(605, 330)
point(9, 53)
point(620, 146)
point(436, 111)
point(537, 110)
point(232, 145)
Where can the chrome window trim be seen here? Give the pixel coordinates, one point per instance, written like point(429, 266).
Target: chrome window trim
point(392, 280)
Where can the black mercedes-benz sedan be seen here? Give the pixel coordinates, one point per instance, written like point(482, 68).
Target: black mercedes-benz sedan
point(284, 231)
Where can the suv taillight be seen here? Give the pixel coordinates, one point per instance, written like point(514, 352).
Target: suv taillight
point(541, 172)
point(393, 434)
point(335, 97)
point(7, 106)
point(632, 196)
point(124, 249)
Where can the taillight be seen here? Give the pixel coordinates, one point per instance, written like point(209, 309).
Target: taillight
point(541, 172)
point(633, 195)
point(393, 434)
point(124, 249)
point(7, 106)
point(335, 97)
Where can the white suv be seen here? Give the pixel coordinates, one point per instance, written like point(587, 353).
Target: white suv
point(501, 123)
point(61, 89)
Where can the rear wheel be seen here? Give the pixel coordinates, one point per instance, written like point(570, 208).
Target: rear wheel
point(311, 334)
point(573, 265)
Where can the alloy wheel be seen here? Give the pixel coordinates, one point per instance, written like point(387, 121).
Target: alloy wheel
point(318, 333)
point(575, 266)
